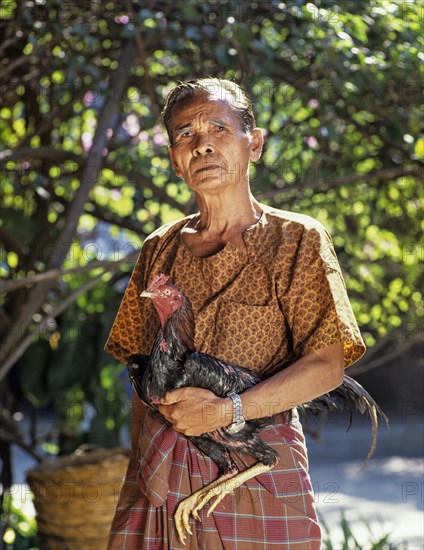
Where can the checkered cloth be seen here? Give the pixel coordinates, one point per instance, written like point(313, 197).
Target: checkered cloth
point(275, 510)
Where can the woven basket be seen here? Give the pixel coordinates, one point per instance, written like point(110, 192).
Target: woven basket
point(75, 498)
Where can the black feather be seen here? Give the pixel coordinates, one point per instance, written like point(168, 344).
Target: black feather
point(350, 396)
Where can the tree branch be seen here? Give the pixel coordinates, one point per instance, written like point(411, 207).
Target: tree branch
point(50, 153)
point(95, 157)
point(17, 63)
point(10, 432)
point(44, 152)
point(10, 438)
point(10, 348)
point(143, 57)
point(53, 274)
point(325, 184)
point(13, 356)
point(126, 222)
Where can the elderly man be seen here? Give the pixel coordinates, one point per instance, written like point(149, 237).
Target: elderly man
point(267, 294)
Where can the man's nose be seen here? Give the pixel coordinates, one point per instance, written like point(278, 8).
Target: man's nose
point(203, 145)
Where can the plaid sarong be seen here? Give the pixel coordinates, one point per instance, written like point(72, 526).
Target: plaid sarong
point(275, 510)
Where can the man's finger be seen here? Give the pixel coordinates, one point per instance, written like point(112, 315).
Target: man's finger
point(171, 397)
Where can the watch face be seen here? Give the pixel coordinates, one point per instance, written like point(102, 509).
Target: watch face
point(235, 427)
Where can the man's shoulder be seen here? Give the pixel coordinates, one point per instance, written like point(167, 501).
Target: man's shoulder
point(293, 220)
point(168, 230)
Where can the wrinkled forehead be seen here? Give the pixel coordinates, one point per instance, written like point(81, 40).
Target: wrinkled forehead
point(204, 104)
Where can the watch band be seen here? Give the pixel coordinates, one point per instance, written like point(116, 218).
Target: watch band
point(238, 422)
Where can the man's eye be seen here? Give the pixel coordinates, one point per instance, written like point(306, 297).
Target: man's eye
point(186, 133)
point(221, 128)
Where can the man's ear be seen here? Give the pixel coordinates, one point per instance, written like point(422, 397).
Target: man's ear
point(174, 164)
point(257, 144)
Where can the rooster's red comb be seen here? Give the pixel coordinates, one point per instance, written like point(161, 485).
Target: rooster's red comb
point(158, 281)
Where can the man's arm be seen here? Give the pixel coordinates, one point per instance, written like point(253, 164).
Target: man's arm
point(193, 411)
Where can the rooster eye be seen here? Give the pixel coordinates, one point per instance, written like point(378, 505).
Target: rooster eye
point(167, 292)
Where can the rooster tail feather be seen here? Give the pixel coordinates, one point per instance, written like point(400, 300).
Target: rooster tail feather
point(351, 395)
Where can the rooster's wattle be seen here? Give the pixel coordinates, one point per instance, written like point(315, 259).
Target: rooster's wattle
point(174, 363)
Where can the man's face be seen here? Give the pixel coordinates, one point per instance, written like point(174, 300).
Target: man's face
point(210, 147)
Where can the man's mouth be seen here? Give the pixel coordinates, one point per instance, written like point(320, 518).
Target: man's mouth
point(207, 168)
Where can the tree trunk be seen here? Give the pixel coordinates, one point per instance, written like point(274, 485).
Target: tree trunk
point(36, 296)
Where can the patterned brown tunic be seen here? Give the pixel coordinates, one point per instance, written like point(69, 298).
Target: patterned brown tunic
point(262, 309)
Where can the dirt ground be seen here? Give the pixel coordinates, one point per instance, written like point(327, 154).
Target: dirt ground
point(387, 496)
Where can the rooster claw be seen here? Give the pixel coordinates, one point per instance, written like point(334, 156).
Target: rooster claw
point(182, 526)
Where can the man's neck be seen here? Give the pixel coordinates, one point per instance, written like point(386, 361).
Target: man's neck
point(219, 222)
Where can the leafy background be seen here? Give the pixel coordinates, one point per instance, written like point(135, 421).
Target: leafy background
point(85, 174)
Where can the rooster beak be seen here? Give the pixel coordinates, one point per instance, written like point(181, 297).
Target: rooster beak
point(146, 294)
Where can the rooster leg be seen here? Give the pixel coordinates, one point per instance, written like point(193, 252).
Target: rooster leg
point(227, 487)
point(192, 504)
point(223, 486)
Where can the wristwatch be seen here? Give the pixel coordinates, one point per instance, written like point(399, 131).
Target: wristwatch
point(238, 422)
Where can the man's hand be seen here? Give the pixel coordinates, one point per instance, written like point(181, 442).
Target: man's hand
point(195, 411)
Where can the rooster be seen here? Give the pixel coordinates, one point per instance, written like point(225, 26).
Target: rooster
point(174, 363)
